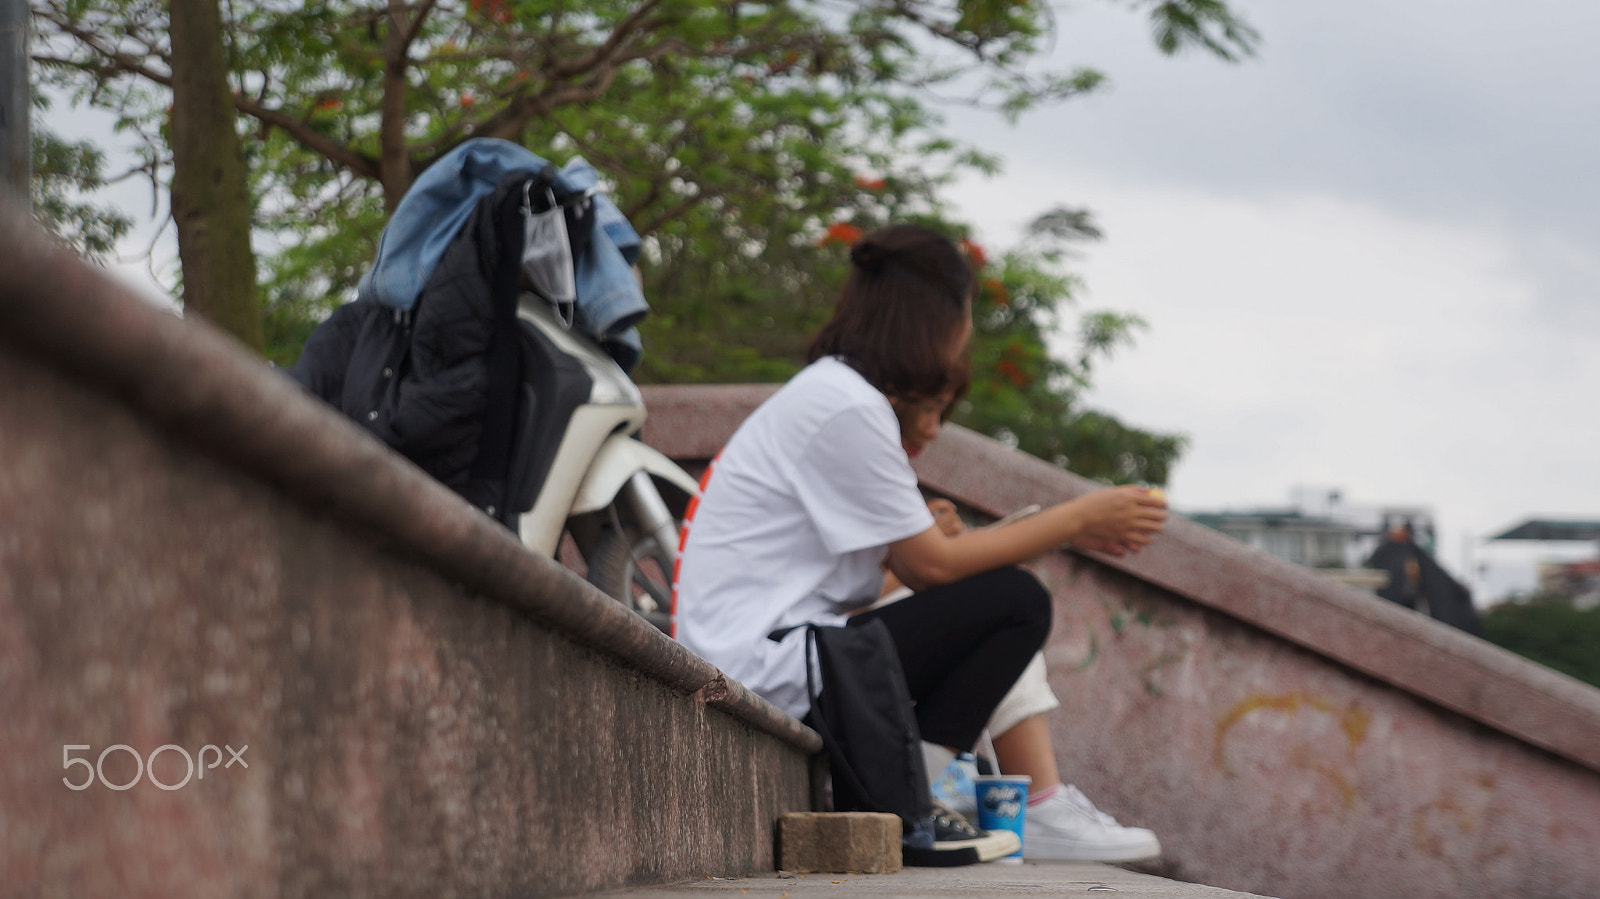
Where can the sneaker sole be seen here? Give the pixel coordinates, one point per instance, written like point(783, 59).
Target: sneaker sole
point(938, 858)
point(1045, 849)
point(952, 854)
point(992, 845)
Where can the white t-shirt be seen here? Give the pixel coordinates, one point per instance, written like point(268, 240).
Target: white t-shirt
point(793, 526)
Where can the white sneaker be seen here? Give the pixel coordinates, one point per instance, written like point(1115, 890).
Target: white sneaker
point(1067, 827)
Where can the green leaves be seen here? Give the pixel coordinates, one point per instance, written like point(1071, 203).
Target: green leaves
point(1550, 630)
point(1178, 25)
point(733, 134)
point(63, 172)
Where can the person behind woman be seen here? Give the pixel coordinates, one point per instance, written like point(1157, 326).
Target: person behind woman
point(814, 493)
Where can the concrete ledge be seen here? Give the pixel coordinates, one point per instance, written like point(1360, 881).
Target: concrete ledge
point(991, 881)
point(196, 383)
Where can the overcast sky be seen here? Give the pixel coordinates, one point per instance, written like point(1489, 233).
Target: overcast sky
point(1369, 258)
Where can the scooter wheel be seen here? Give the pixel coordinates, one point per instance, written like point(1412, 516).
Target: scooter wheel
point(635, 570)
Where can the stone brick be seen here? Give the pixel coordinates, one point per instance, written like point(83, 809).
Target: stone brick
point(839, 842)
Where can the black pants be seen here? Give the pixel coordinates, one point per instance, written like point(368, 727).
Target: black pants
point(963, 645)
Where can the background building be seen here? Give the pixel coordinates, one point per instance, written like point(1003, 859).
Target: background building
point(1565, 555)
point(1318, 529)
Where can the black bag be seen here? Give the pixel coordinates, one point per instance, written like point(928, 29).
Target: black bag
point(863, 714)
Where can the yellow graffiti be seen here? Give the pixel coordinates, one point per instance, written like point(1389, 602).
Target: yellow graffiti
point(1347, 790)
point(1353, 722)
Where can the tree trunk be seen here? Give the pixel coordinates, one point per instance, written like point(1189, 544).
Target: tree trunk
point(210, 195)
point(394, 159)
point(16, 137)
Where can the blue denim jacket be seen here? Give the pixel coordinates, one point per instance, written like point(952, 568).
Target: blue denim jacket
point(610, 301)
point(609, 305)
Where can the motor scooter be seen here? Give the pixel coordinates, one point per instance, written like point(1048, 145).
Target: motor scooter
point(572, 464)
point(585, 471)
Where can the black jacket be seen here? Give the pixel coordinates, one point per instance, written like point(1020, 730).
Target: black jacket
point(437, 383)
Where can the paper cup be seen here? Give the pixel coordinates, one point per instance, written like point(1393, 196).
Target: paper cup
point(1003, 804)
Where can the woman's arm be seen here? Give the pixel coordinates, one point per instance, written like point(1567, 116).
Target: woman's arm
point(947, 520)
point(1114, 520)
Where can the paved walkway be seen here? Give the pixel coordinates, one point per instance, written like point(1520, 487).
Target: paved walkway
point(980, 881)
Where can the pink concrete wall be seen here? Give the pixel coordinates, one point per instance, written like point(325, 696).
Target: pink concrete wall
point(1283, 734)
point(1266, 768)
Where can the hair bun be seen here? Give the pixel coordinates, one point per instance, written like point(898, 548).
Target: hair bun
point(869, 255)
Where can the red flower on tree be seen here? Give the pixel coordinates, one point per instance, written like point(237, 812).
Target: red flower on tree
point(841, 232)
point(494, 10)
point(1013, 373)
point(865, 183)
point(975, 253)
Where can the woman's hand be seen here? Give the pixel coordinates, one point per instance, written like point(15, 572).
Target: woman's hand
point(1120, 520)
point(946, 517)
point(1115, 520)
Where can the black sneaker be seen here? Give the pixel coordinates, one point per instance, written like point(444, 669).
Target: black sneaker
point(945, 840)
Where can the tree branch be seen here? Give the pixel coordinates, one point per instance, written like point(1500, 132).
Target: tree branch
point(309, 137)
point(625, 29)
point(410, 36)
point(117, 62)
point(514, 117)
point(670, 213)
point(972, 44)
point(394, 162)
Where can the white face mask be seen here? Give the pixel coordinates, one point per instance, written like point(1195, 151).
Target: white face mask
point(547, 265)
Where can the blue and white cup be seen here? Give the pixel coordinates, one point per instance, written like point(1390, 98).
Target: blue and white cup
point(1003, 805)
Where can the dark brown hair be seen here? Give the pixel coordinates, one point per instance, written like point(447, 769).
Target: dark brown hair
point(908, 293)
point(961, 382)
point(905, 411)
